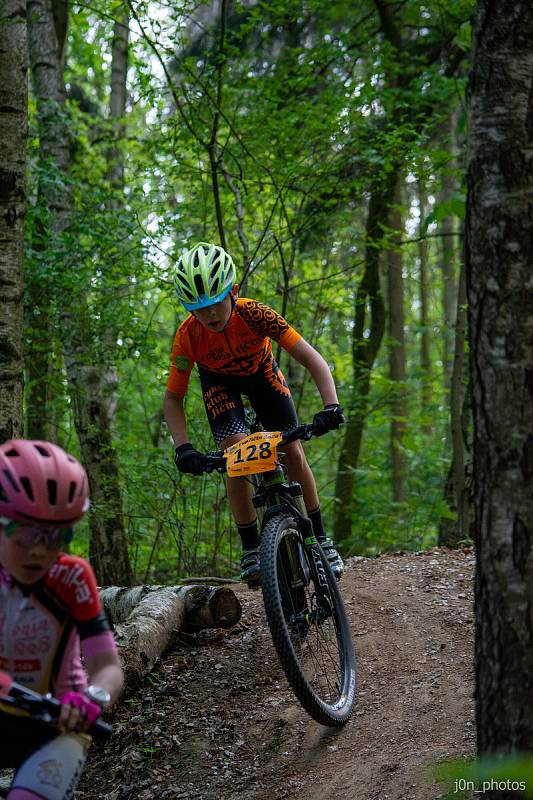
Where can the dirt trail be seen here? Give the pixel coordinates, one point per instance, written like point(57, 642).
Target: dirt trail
point(216, 721)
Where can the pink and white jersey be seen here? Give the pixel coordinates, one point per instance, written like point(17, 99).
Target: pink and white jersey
point(46, 628)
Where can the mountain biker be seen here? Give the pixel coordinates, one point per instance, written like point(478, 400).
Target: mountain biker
point(50, 617)
point(229, 338)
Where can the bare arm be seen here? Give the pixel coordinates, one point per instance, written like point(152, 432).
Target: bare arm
point(308, 357)
point(104, 670)
point(175, 417)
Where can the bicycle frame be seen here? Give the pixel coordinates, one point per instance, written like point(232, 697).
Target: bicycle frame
point(273, 495)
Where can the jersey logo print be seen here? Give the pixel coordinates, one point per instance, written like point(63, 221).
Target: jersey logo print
point(240, 365)
point(276, 379)
point(74, 575)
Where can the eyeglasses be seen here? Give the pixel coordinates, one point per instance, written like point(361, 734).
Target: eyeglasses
point(31, 536)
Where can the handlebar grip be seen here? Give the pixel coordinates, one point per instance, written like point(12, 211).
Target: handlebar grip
point(20, 696)
point(101, 728)
point(303, 432)
point(215, 460)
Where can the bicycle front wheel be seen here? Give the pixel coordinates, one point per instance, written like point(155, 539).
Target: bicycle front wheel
point(308, 623)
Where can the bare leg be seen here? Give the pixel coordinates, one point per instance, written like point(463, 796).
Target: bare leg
point(299, 470)
point(239, 490)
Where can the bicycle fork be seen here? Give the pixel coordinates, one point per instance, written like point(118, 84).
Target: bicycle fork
point(304, 569)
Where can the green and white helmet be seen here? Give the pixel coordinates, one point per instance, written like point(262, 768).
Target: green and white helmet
point(204, 276)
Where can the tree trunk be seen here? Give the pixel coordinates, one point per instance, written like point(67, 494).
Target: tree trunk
point(500, 313)
point(53, 203)
point(13, 134)
point(109, 553)
point(115, 175)
point(117, 99)
point(364, 351)
point(447, 261)
point(425, 339)
point(397, 371)
point(108, 547)
point(146, 633)
point(205, 606)
point(457, 490)
point(146, 617)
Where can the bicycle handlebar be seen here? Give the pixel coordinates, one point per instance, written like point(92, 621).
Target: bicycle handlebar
point(216, 460)
point(44, 707)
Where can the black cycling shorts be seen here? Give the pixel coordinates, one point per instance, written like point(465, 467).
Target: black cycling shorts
point(268, 393)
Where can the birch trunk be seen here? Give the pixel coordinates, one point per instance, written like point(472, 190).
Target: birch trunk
point(109, 554)
point(46, 60)
point(115, 174)
point(13, 134)
point(145, 619)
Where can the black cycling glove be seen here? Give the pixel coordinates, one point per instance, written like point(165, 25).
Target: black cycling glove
point(189, 460)
point(328, 420)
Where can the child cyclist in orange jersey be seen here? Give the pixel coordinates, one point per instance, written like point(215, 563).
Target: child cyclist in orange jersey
point(229, 339)
point(50, 617)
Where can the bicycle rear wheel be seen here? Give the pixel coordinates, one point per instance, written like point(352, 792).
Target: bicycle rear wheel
point(309, 626)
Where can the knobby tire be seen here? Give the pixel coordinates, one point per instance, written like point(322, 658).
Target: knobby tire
point(316, 654)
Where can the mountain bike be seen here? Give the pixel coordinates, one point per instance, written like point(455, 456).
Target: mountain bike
point(43, 708)
point(302, 600)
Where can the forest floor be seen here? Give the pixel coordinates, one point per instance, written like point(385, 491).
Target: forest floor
point(216, 721)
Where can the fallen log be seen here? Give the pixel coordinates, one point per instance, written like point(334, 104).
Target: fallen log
point(146, 617)
point(146, 633)
point(205, 606)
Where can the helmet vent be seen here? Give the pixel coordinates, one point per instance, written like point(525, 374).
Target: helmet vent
point(71, 490)
point(27, 487)
point(11, 480)
point(12, 452)
point(42, 450)
point(199, 285)
point(52, 492)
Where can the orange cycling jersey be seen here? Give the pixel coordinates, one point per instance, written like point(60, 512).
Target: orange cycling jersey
point(239, 350)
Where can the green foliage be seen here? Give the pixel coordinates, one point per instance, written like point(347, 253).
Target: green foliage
point(511, 773)
point(451, 207)
point(301, 110)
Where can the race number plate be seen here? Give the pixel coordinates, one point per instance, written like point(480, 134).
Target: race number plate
point(255, 453)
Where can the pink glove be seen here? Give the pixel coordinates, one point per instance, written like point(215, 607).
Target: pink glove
point(5, 683)
point(89, 709)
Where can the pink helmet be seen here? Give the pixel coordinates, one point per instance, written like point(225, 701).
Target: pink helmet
point(40, 483)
